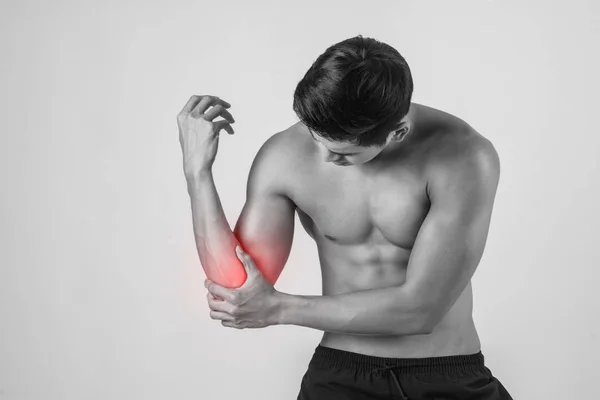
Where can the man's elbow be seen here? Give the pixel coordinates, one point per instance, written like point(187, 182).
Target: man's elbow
point(429, 319)
point(421, 322)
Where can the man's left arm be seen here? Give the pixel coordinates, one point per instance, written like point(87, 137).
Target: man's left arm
point(447, 250)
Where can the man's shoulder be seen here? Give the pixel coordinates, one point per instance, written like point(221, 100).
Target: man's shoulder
point(446, 138)
point(462, 153)
point(457, 143)
point(285, 145)
point(279, 158)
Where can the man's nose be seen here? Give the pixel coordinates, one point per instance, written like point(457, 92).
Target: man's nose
point(329, 156)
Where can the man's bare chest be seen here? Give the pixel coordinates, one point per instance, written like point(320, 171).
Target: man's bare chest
point(347, 208)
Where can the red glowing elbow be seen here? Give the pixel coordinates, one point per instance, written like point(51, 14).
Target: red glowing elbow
point(230, 274)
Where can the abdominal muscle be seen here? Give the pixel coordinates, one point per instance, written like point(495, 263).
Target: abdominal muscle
point(361, 267)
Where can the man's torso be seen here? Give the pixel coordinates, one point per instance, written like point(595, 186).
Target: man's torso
point(365, 222)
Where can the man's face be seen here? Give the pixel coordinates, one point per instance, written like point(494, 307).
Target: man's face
point(345, 154)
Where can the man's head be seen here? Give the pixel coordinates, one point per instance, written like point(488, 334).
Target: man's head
point(354, 99)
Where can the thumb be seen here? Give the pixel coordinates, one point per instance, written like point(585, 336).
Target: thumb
point(244, 258)
point(248, 262)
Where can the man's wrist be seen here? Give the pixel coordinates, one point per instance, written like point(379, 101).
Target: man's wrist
point(197, 178)
point(283, 304)
point(289, 308)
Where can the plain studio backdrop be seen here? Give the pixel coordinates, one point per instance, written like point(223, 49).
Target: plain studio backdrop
point(101, 289)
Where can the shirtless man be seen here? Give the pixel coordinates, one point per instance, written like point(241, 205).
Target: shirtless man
point(398, 197)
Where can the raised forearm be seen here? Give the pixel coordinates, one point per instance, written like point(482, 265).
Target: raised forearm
point(214, 239)
point(374, 312)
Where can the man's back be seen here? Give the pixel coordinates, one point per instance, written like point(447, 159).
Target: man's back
point(366, 220)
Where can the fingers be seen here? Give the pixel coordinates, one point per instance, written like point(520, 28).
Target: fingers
point(223, 125)
point(195, 99)
point(219, 291)
point(222, 316)
point(189, 106)
point(231, 324)
point(220, 306)
point(218, 110)
point(207, 101)
point(202, 105)
point(222, 102)
point(197, 106)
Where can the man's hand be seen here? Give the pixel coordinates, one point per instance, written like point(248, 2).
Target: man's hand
point(199, 134)
point(252, 305)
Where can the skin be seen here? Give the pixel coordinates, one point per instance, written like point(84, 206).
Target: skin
point(399, 229)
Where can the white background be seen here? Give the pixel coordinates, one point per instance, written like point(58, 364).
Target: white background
point(101, 290)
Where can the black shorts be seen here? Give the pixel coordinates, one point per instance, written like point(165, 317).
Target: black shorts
point(336, 374)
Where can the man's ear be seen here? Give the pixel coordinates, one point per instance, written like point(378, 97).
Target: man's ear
point(401, 131)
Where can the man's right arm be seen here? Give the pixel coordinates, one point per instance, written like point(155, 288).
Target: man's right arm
point(264, 229)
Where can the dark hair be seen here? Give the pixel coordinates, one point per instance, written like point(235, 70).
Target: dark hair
point(357, 91)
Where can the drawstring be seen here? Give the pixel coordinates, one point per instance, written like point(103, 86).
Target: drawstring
point(389, 368)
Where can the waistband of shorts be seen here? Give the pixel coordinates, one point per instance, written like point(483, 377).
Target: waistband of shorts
point(327, 357)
